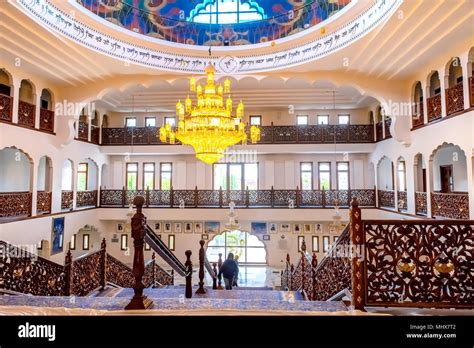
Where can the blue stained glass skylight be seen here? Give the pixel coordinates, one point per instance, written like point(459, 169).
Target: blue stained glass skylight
point(226, 12)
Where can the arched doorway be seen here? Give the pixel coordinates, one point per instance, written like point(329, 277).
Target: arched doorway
point(385, 183)
point(248, 247)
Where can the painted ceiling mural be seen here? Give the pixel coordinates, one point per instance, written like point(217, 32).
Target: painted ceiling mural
point(172, 20)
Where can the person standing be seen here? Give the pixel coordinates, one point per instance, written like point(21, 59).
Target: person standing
point(236, 278)
point(229, 270)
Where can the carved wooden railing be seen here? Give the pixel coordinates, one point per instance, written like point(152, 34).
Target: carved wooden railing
point(386, 198)
point(67, 200)
point(87, 274)
point(419, 263)
point(43, 202)
point(417, 116)
point(421, 203)
point(471, 90)
point(47, 120)
point(26, 114)
point(379, 131)
point(6, 107)
point(15, 204)
point(450, 205)
point(25, 272)
point(387, 124)
point(83, 133)
point(242, 198)
point(434, 107)
point(95, 131)
point(118, 273)
point(86, 199)
point(455, 99)
point(402, 200)
point(312, 134)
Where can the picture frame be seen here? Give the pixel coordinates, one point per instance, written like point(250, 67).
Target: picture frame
point(115, 238)
point(307, 228)
point(212, 227)
point(258, 227)
point(198, 227)
point(285, 227)
point(120, 227)
point(188, 227)
point(272, 227)
point(297, 228)
point(318, 228)
point(315, 244)
point(326, 243)
point(167, 227)
point(266, 237)
point(205, 236)
point(177, 228)
point(158, 227)
point(300, 242)
point(57, 235)
point(171, 242)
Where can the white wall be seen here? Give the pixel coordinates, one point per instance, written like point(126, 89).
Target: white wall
point(451, 155)
point(15, 171)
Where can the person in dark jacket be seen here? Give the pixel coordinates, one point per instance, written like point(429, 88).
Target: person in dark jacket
point(229, 270)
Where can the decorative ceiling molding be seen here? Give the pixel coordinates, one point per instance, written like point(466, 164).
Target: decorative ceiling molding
point(56, 20)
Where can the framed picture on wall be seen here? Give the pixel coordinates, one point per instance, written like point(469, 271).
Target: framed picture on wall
point(307, 228)
point(212, 227)
point(297, 228)
point(171, 242)
point(205, 236)
point(266, 237)
point(167, 227)
point(57, 235)
point(188, 227)
point(318, 228)
point(120, 227)
point(158, 227)
point(258, 227)
point(177, 227)
point(285, 227)
point(198, 227)
point(272, 227)
point(326, 243)
point(315, 244)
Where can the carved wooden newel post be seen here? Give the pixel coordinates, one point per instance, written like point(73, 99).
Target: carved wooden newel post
point(288, 271)
point(103, 264)
point(314, 264)
point(68, 274)
point(202, 255)
point(219, 265)
point(214, 279)
point(189, 275)
point(357, 256)
point(139, 301)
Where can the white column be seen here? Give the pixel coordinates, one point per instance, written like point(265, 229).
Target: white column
point(180, 176)
point(376, 177)
point(443, 80)
point(76, 128)
point(429, 184)
point(410, 178)
point(201, 176)
point(290, 175)
point(466, 74)
point(56, 188)
point(37, 99)
point(16, 99)
point(269, 175)
point(425, 88)
point(34, 185)
point(470, 184)
point(89, 128)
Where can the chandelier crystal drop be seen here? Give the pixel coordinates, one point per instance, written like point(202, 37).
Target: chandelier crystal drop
point(209, 125)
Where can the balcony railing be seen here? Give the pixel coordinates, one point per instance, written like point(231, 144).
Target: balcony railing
point(471, 90)
point(421, 203)
point(434, 108)
point(402, 200)
point(15, 204)
point(67, 200)
point(83, 133)
point(388, 123)
point(26, 114)
point(455, 99)
point(320, 134)
point(417, 116)
point(47, 120)
point(95, 131)
point(386, 198)
point(6, 107)
point(43, 202)
point(241, 198)
point(450, 205)
point(86, 199)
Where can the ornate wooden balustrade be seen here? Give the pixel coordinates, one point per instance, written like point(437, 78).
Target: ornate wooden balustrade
point(471, 90)
point(434, 107)
point(26, 114)
point(15, 204)
point(421, 203)
point(387, 124)
point(95, 131)
point(83, 133)
point(386, 198)
point(450, 205)
point(67, 200)
point(417, 116)
point(6, 107)
point(242, 198)
point(402, 200)
point(314, 134)
point(419, 263)
point(25, 272)
point(455, 99)
point(379, 131)
point(86, 199)
point(43, 202)
point(47, 120)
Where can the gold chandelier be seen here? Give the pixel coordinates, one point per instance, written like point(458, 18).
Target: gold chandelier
point(209, 125)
